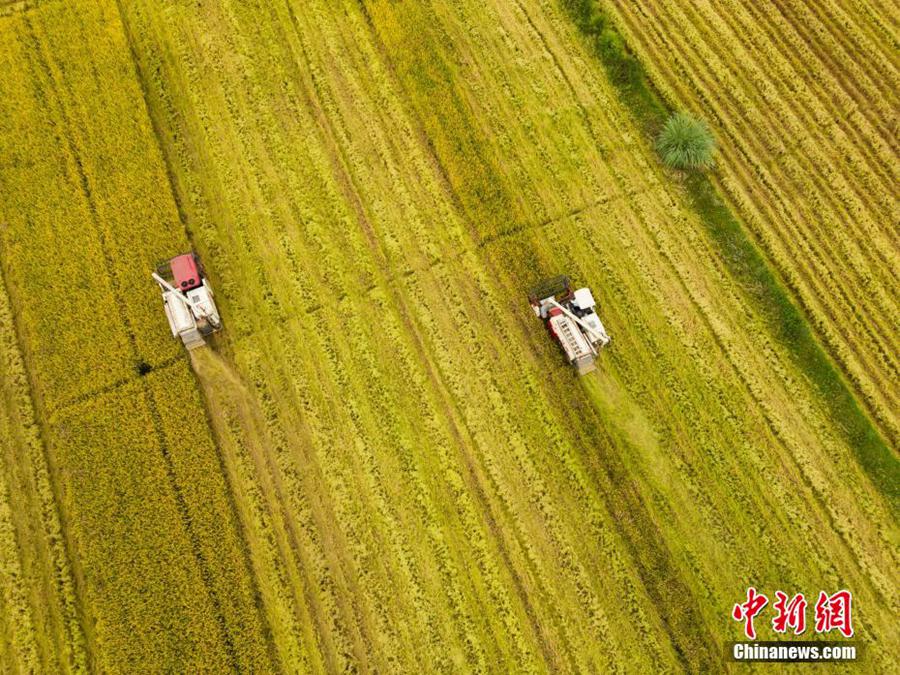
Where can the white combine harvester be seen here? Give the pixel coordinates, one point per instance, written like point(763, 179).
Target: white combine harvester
point(572, 321)
point(188, 299)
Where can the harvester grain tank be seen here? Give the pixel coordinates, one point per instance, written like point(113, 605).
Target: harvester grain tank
point(188, 299)
point(571, 318)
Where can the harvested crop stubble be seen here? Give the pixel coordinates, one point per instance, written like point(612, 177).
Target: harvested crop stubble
point(808, 153)
point(377, 184)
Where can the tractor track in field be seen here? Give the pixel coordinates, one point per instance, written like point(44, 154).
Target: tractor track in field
point(479, 242)
point(148, 395)
point(723, 346)
point(450, 408)
point(451, 195)
point(274, 500)
point(312, 99)
point(347, 614)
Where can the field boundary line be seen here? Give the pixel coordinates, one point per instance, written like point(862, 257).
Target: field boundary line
point(497, 237)
point(62, 406)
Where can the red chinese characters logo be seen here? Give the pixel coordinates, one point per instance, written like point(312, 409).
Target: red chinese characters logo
point(789, 614)
point(833, 612)
point(747, 611)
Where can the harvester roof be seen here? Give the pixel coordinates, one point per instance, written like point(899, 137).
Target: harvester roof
point(185, 271)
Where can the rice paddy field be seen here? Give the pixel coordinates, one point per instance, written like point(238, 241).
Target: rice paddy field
point(382, 463)
point(804, 97)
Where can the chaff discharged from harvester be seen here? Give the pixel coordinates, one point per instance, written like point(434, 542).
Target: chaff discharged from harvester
point(572, 320)
point(188, 299)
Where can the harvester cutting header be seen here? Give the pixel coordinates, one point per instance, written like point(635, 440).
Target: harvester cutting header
point(572, 321)
point(188, 299)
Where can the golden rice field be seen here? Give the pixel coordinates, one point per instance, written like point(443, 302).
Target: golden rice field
point(804, 97)
point(382, 463)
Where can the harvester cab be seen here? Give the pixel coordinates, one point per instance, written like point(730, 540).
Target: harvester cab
point(572, 320)
point(187, 299)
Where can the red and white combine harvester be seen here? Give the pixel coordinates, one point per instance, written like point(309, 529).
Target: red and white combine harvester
point(188, 299)
point(572, 321)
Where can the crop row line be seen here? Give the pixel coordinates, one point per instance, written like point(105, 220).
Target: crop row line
point(262, 182)
point(672, 619)
point(824, 238)
point(17, 397)
point(868, 132)
point(296, 531)
point(370, 233)
point(339, 292)
point(853, 423)
point(617, 301)
point(16, 624)
point(429, 331)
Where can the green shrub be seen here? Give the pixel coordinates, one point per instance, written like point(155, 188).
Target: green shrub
point(686, 143)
